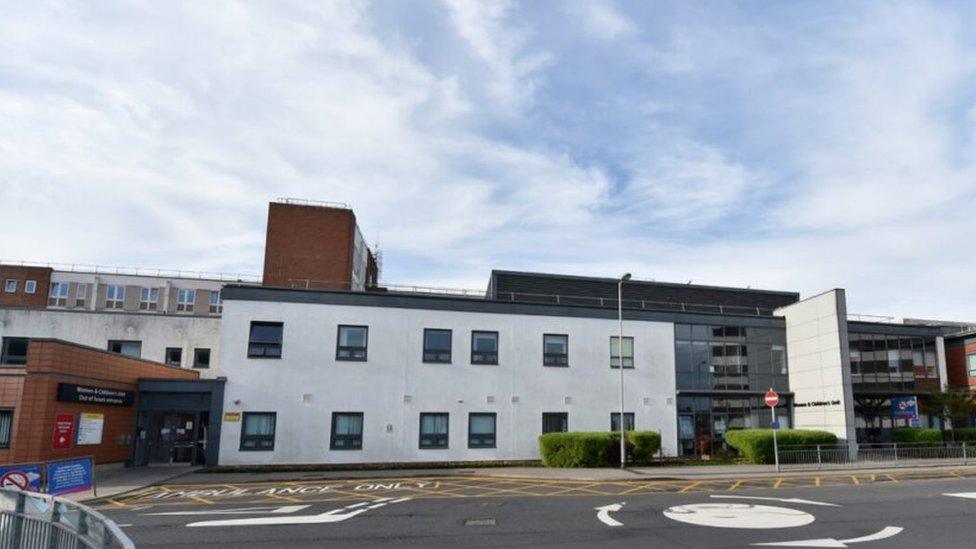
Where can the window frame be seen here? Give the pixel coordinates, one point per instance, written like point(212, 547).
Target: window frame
point(166, 360)
point(5, 445)
point(446, 436)
point(494, 432)
point(340, 348)
point(117, 301)
point(216, 305)
point(970, 364)
point(30, 287)
point(196, 358)
point(244, 437)
point(185, 306)
point(450, 349)
point(57, 298)
point(627, 415)
point(489, 361)
point(546, 357)
point(633, 353)
point(150, 302)
point(5, 351)
point(564, 416)
point(280, 344)
point(6, 285)
point(333, 435)
point(81, 294)
point(108, 347)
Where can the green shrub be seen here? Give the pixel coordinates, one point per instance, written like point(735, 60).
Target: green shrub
point(575, 449)
point(756, 445)
point(596, 449)
point(964, 434)
point(912, 434)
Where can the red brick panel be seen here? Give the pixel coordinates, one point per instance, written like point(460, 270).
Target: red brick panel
point(309, 243)
point(956, 366)
point(20, 298)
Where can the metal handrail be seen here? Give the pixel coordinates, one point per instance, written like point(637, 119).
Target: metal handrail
point(30, 520)
point(309, 202)
point(135, 271)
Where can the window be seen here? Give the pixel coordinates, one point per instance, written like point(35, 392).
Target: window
point(185, 299)
point(216, 302)
point(484, 347)
point(201, 358)
point(433, 430)
point(971, 364)
point(80, 294)
point(615, 352)
point(174, 356)
point(351, 343)
point(14, 350)
point(258, 431)
point(555, 422)
point(10, 285)
point(6, 426)
point(347, 431)
point(114, 297)
point(148, 299)
point(265, 340)
point(481, 430)
point(127, 348)
point(30, 287)
point(628, 421)
point(555, 350)
point(58, 296)
point(437, 346)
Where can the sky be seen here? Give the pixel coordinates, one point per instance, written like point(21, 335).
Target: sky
point(782, 145)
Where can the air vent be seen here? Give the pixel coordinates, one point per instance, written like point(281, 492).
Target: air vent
point(567, 400)
point(490, 400)
point(407, 398)
point(647, 401)
point(515, 399)
point(307, 398)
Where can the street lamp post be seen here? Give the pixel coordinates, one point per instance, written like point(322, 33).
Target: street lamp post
point(620, 357)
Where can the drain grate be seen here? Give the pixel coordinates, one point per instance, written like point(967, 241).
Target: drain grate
point(480, 522)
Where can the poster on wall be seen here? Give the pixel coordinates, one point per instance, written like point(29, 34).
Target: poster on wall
point(90, 428)
point(72, 475)
point(64, 431)
point(905, 407)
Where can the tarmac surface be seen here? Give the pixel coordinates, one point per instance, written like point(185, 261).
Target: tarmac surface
point(880, 509)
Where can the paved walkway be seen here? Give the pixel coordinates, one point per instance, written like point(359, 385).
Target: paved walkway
point(113, 480)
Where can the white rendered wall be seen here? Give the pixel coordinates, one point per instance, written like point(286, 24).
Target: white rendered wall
point(96, 328)
point(820, 365)
point(395, 369)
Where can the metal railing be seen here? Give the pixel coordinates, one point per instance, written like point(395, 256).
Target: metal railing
point(29, 520)
point(882, 455)
point(592, 301)
point(135, 271)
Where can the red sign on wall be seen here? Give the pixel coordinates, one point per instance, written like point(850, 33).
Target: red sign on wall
point(64, 431)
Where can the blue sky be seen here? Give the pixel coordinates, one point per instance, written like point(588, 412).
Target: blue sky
point(785, 145)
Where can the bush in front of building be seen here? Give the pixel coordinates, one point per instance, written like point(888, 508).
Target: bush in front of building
point(913, 434)
point(964, 434)
point(756, 445)
point(596, 449)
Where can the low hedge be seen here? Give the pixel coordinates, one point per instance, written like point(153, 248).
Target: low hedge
point(600, 449)
point(756, 445)
point(963, 434)
point(913, 434)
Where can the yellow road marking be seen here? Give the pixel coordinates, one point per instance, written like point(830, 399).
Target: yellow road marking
point(119, 503)
point(892, 478)
point(735, 485)
point(689, 487)
point(777, 483)
point(855, 480)
point(201, 500)
point(817, 481)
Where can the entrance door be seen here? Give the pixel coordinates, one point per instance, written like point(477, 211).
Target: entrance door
point(174, 437)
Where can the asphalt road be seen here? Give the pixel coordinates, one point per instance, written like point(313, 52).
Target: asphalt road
point(492, 513)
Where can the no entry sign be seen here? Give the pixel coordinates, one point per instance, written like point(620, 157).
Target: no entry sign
point(772, 398)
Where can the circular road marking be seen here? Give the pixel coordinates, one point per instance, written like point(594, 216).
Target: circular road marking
point(738, 515)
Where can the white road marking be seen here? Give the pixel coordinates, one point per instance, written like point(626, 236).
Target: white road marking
point(336, 515)
point(784, 500)
point(124, 525)
point(885, 533)
point(239, 511)
point(969, 495)
point(739, 515)
point(603, 513)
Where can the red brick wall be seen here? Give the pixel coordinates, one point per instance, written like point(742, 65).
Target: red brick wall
point(956, 366)
point(309, 243)
point(32, 391)
point(22, 274)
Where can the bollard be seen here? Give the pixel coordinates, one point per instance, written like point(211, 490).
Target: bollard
point(964, 457)
point(819, 460)
point(896, 451)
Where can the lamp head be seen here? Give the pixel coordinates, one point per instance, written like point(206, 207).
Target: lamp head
point(625, 277)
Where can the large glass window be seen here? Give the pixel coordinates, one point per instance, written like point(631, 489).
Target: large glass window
point(265, 339)
point(10, 286)
point(484, 347)
point(555, 350)
point(58, 295)
point(555, 422)
point(628, 421)
point(185, 299)
point(174, 356)
point(347, 431)
point(216, 302)
point(14, 350)
point(351, 343)
point(6, 427)
point(730, 358)
point(258, 431)
point(615, 352)
point(437, 346)
point(114, 297)
point(201, 358)
point(434, 430)
point(481, 430)
point(148, 299)
point(127, 348)
point(971, 364)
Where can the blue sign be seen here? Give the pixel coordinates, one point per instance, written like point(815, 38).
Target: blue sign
point(775, 425)
point(904, 407)
point(72, 475)
point(26, 476)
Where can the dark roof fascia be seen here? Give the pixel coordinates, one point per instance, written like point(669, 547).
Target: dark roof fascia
point(863, 327)
point(461, 304)
point(164, 385)
point(496, 272)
